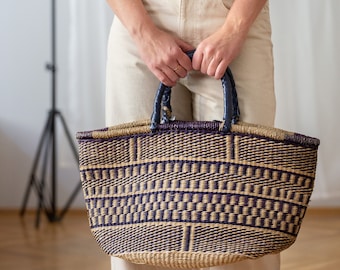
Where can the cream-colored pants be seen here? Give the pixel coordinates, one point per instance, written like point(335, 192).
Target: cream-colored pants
point(131, 86)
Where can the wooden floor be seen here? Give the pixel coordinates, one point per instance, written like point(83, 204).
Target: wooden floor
point(68, 245)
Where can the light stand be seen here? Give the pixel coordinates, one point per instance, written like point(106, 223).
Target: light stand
point(47, 149)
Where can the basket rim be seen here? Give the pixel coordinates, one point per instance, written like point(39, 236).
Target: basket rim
point(143, 127)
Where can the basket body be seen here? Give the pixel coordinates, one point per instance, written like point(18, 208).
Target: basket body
point(188, 196)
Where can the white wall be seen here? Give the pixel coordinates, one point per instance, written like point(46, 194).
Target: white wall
point(307, 64)
point(25, 88)
point(305, 57)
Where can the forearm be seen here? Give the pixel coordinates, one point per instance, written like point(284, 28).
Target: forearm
point(133, 16)
point(242, 15)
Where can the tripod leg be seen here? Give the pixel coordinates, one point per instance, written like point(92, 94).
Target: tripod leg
point(32, 180)
point(69, 137)
point(27, 193)
point(76, 156)
point(70, 200)
point(41, 186)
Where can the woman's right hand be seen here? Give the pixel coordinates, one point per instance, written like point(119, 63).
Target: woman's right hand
point(165, 55)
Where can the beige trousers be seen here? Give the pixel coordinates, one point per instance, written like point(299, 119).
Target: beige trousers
point(131, 86)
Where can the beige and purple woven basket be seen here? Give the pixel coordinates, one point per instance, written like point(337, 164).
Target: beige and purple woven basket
point(181, 199)
point(186, 195)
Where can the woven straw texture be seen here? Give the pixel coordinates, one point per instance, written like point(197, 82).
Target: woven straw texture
point(188, 196)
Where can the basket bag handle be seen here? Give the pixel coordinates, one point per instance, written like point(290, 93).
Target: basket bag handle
point(162, 107)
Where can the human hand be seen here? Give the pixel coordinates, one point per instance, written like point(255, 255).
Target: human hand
point(214, 54)
point(165, 56)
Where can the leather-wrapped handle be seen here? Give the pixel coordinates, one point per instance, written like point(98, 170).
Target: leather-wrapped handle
point(162, 107)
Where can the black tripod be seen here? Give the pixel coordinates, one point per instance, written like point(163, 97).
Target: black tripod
point(46, 152)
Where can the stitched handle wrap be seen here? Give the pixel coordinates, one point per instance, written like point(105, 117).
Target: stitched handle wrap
point(162, 107)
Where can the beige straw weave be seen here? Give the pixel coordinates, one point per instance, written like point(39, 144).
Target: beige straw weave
point(188, 196)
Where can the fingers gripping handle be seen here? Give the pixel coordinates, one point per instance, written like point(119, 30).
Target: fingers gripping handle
point(230, 102)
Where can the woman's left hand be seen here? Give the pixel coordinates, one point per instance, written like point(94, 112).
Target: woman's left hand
point(214, 54)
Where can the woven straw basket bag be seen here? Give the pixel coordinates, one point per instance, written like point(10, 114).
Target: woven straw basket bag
point(195, 194)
